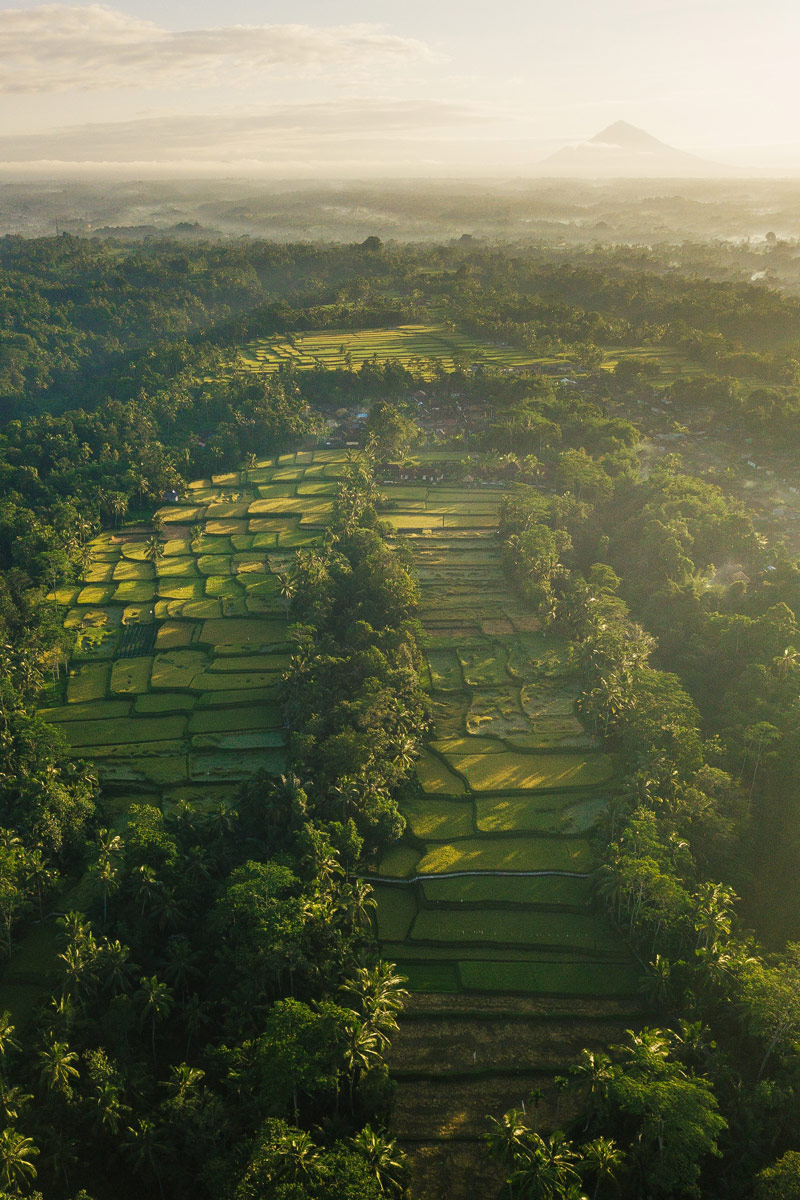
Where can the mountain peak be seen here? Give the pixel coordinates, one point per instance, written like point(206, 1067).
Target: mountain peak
point(621, 133)
point(623, 150)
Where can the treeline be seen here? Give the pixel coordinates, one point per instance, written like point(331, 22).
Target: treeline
point(706, 1084)
point(354, 702)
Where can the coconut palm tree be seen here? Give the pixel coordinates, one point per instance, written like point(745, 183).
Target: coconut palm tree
point(383, 1158)
point(58, 1067)
point(378, 996)
point(547, 1168)
point(16, 1161)
point(146, 1149)
point(156, 1001)
point(603, 1159)
point(507, 1140)
point(106, 867)
point(154, 550)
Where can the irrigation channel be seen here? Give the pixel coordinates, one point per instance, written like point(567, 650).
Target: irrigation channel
point(173, 695)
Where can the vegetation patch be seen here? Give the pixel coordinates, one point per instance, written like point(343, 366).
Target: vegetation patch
point(567, 890)
point(583, 932)
point(123, 732)
point(507, 854)
point(225, 720)
point(517, 772)
point(497, 712)
point(438, 819)
point(435, 777)
point(592, 979)
point(395, 913)
point(399, 861)
point(445, 671)
point(484, 667)
point(548, 814)
point(176, 669)
point(175, 635)
point(88, 681)
point(129, 676)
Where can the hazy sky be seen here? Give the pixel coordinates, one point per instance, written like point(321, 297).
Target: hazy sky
point(418, 86)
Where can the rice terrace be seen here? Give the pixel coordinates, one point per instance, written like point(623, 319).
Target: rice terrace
point(173, 696)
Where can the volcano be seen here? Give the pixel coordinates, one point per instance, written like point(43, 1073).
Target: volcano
point(624, 151)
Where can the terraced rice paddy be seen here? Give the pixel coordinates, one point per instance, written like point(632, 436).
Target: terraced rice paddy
point(484, 903)
point(412, 345)
point(172, 691)
point(509, 787)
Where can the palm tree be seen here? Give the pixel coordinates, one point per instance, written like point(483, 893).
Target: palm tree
point(507, 1140)
point(288, 590)
point(594, 1072)
point(7, 1039)
point(384, 1161)
point(13, 1100)
point(297, 1154)
point(58, 1067)
point(16, 1161)
point(146, 1148)
point(181, 965)
point(379, 996)
point(109, 1109)
point(362, 1051)
point(184, 1080)
point(548, 1167)
point(118, 969)
point(118, 506)
point(603, 1158)
point(657, 983)
point(154, 550)
point(156, 1000)
point(106, 867)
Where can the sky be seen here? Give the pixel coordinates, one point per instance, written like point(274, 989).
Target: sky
point(346, 88)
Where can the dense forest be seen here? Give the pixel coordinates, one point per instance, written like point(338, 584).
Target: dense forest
point(222, 1016)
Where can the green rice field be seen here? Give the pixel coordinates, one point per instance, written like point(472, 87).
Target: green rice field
point(172, 695)
point(412, 345)
point(488, 890)
point(174, 677)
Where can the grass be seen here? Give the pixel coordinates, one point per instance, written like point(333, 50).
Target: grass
point(516, 772)
point(445, 671)
point(583, 932)
point(240, 636)
point(567, 890)
point(556, 978)
point(92, 710)
point(548, 814)
point(121, 731)
point(431, 976)
point(175, 635)
point(434, 818)
point(436, 778)
point(177, 668)
point(399, 862)
point(212, 720)
point(507, 854)
point(88, 682)
point(397, 908)
point(130, 676)
point(484, 667)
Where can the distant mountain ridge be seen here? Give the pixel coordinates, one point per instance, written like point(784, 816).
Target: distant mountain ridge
point(623, 150)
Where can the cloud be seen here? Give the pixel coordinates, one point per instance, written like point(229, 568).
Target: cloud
point(58, 47)
point(300, 132)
